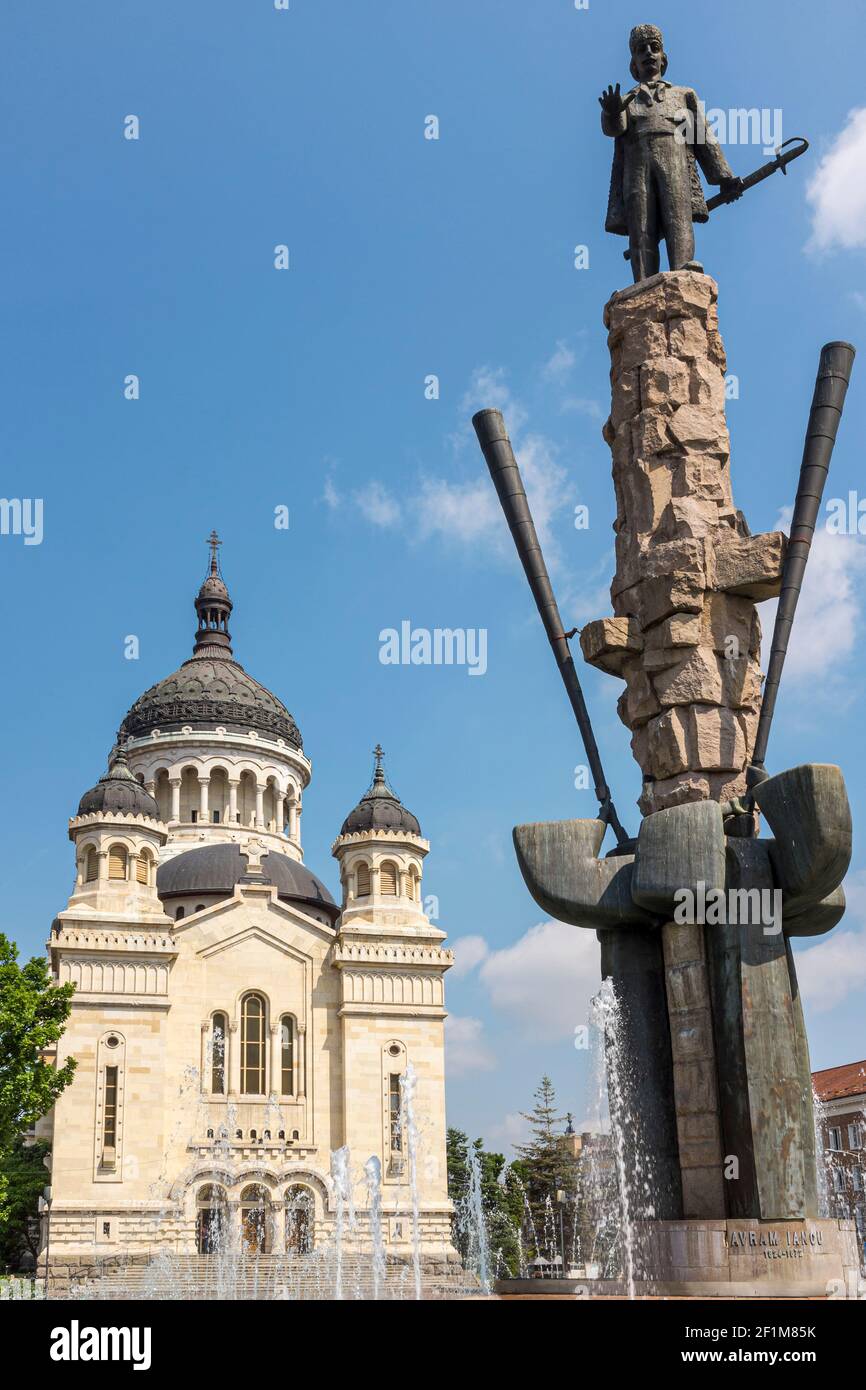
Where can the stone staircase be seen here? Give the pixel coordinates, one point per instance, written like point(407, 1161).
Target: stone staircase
point(266, 1277)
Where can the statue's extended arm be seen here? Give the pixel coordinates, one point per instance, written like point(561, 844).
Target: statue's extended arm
point(613, 117)
point(707, 150)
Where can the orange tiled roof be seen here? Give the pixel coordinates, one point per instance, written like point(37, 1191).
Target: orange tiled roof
point(835, 1082)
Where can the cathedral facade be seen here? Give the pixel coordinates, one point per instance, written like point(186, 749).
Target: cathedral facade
point(233, 1025)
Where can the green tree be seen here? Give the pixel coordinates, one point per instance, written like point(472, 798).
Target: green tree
point(548, 1167)
point(33, 1012)
point(497, 1199)
point(26, 1176)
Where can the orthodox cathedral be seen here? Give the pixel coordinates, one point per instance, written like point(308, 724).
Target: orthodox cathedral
point(232, 1024)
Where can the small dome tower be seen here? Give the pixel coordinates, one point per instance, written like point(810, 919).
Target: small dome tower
point(117, 835)
point(380, 850)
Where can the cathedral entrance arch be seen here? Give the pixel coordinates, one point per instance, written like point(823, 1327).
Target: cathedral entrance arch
point(300, 1219)
point(211, 1225)
point(254, 1219)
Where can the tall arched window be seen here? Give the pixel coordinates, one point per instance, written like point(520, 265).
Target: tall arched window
point(142, 868)
point(218, 1055)
point(413, 884)
point(388, 878)
point(363, 880)
point(253, 1045)
point(287, 1055)
point(91, 865)
point(117, 861)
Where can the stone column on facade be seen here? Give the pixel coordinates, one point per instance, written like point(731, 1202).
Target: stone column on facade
point(293, 820)
point(260, 806)
point(301, 1062)
point(102, 865)
point(234, 1049)
point(203, 796)
point(234, 783)
point(280, 813)
point(174, 783)
point(205, 1031)
point(276, 1059)
point(277, 1233)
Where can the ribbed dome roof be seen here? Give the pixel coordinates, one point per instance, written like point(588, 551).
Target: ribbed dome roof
point(118, 791)
point(211, 688)
point(380, 808)
point(217, 868)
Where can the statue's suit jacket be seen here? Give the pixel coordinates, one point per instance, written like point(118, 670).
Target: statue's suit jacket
point(701, 148)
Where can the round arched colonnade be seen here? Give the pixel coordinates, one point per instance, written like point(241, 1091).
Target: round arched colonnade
point(225, 791)
point(258, 1214)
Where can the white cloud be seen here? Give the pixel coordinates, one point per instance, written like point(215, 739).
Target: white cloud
point(378, 505)
point(469, 951)
point(582, 405)
point(545, 980)
point(514, 1129)
point(330, 495)
point(837, 192)
point(469, 512)
point(830, 610)
point(836, 965)
point(465, 1046)
point(560, 363)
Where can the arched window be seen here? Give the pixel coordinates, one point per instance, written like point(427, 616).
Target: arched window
point(252, 1045)
point(254, 1219)
point(218, 1055)
point(179, 913)
point(91, 865)
point(388, 878)
point(142, 868)
point(210, 1219)
point(363, 880)
point(300, 1213)
point(287, 1055)
point(413, 884)
point(117, 861)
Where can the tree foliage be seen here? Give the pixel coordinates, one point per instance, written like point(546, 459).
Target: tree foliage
point(33, 1013)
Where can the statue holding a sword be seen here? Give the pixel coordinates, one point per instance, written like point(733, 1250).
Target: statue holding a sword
point(661, 139)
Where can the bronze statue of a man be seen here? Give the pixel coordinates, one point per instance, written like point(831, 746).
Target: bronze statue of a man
point(660, 137)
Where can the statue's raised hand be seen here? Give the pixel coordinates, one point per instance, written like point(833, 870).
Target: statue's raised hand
point(611, 101)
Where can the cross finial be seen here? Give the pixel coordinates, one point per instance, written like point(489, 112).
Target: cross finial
point(378, 754)
point(214, 542)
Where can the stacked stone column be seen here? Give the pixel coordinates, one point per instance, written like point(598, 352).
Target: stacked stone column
point(685, 636)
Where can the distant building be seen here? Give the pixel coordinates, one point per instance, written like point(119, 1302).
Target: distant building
point(841, 1093)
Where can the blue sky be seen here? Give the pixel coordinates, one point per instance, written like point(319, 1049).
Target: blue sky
point(305, 388)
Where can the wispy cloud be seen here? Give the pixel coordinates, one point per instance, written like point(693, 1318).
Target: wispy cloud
point(466, 1049)
point(469, 952)
point(544, 982)
point(378, 505)
point(830, 611)
point(835, 966)
point(560, 363)
point(837, 192)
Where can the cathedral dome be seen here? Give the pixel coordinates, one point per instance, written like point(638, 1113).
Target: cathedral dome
point(380, 808)
point(118, 792)
point(217, 868)
point(211, 688)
